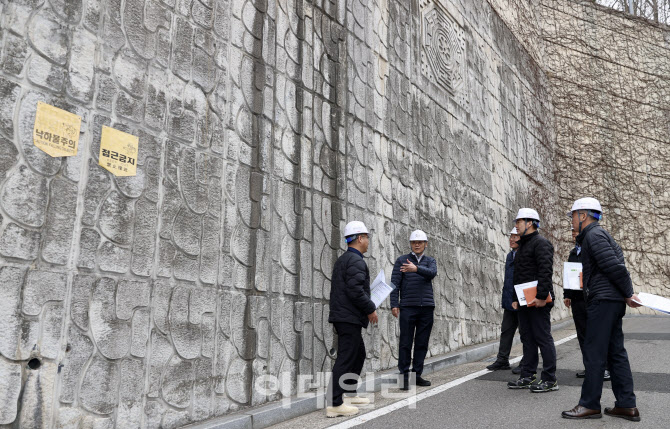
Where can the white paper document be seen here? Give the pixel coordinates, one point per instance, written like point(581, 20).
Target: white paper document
point(519, 291)
point(654, 302)
point(571, 271)
point(379, 290)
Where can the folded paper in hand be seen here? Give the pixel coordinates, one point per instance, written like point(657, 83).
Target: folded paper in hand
point(654, 302)
point(379, 290)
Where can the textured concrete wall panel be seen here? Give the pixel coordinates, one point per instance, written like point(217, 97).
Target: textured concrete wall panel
point(608, 82)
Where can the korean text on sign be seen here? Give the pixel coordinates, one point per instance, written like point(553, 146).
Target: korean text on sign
point(118, 152)
point(56, 131)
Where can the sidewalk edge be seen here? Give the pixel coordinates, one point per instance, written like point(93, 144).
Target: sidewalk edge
point(276, 412)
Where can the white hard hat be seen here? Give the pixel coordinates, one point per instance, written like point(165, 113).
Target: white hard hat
point(527, 214)
point(418, 235)
point(586, 204)
point(514, 231)
point(354, 228)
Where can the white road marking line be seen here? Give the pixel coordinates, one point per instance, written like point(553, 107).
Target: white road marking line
point(423, 395)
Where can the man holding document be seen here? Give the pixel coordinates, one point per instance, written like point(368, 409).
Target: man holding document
point(533, 271)
point(351, 309)
point(608, 288)
point(573, 296)
point(412, 301)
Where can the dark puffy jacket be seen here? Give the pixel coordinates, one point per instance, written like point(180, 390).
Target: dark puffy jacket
point(350, 291)
point(535, 261)
point(604, 273)
point(508, 286)
point(414, 289)
point(574, 295)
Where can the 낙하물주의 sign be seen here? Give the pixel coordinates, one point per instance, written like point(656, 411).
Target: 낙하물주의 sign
point(56, 131)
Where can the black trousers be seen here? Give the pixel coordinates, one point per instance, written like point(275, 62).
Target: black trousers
point(348, 363)
point(510, 323)
point(603, 346)
point(416, 323)
point(579, 316)
point(535, 329)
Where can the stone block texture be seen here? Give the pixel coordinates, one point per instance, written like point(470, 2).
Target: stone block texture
point(160, 300)
point(609, 84)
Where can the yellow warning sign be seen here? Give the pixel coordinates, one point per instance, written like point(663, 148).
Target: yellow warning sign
point(118, 152)
point(56, 131)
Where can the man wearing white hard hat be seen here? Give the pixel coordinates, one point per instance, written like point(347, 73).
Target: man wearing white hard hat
point(607, 288)
point(413, 302)
point(574, 299)
point(534, 261)
point(510, 321)
point(351, 309)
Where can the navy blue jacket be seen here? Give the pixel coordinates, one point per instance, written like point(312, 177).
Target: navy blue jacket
point(604, 270)
point(414, 289)
point(508, 286)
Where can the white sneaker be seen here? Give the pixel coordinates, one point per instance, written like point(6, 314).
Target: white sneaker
point(356, 400)
point(342, 410)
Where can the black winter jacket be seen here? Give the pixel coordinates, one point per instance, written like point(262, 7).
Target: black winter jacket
point(604, 272)
point(508, 293)
point(350, 291)
point(574, 295)
point(414, 289)
point(535, 261)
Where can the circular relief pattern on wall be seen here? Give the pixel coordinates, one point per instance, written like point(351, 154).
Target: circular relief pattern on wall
point(443, 47)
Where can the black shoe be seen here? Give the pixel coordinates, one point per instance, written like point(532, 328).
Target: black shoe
point(522, 383)
point(422, 381)
point(607, 376)
point(517, 370)
point(497, 365)
point(544, 386)
point(581, 374)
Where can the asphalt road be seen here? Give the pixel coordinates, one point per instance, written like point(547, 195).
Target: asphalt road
point(484, 401)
